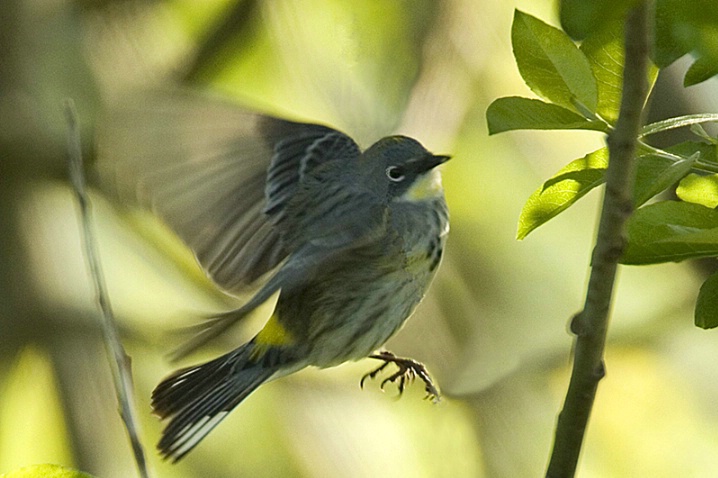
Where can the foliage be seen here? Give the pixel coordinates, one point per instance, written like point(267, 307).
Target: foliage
point(580, 88)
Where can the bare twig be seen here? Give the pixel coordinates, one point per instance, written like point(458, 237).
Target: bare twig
point(590, 326)
point(119, 361)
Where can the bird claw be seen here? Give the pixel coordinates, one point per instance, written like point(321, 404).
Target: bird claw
point(409, 370)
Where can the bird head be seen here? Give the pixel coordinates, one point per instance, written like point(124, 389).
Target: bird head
point(403, 168)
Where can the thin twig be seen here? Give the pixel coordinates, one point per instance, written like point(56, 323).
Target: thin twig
point(590, 326)
point(119, 360)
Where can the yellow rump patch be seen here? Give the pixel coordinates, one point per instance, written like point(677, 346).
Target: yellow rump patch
point(273, 333)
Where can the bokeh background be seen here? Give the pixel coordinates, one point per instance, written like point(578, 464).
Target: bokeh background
point(493, 328)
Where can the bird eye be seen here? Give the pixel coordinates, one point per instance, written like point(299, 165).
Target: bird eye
point(395, 173)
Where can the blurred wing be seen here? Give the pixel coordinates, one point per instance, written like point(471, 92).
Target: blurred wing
point(202, 165)
point(358, 73)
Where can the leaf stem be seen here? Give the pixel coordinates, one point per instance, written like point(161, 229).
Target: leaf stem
point(591, 325)
point(706, 167)
point(678, 122)
point(699, 165)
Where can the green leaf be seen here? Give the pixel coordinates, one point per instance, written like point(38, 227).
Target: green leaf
point(580, 18)
point(512, 113)
point(671, 231)
point(701, 70)
point(686, 149)
point(678, 122)
point(656, 174)
point(683, 27)
point(701, 190)
point(666, 47)
point(566, 187)
point(551, 64)
point(604, 50)
point(706, 316)
point(45, 471)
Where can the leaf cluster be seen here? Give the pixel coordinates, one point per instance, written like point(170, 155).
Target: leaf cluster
point(579, 87)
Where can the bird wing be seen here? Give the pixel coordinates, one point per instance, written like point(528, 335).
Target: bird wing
point(202, 165)
point(294, 163)
point(338, 237)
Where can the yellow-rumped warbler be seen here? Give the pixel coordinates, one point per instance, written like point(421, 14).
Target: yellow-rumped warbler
point(350, 239)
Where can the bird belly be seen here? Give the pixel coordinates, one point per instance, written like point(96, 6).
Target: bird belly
point(338, 318)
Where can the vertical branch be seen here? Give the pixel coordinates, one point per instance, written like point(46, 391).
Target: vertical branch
point(591, 325)
point(119, 361)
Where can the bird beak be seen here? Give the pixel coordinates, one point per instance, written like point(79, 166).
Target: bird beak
point(431, 161)
point(441, 158)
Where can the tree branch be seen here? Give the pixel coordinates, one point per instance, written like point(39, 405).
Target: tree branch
point(119, 361)
point(590, 326)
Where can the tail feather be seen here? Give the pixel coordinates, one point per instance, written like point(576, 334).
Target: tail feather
point(196, 399)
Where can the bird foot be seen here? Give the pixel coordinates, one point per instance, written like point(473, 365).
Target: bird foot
point(409, 370)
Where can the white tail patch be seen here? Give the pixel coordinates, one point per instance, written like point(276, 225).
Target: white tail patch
point(192, 434)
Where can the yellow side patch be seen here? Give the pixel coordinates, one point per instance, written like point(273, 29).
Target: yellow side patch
point(273, 333)
point(426, 187)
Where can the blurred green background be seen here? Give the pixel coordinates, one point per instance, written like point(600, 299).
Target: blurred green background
point(492, 329)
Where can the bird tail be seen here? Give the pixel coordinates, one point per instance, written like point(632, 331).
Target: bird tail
point(196, 399)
